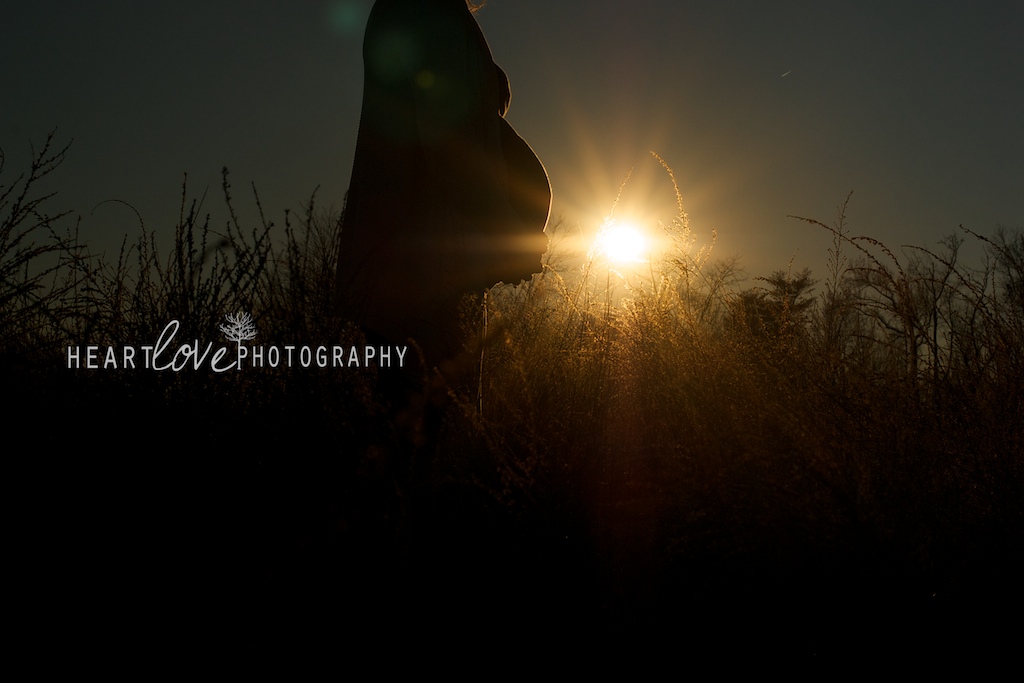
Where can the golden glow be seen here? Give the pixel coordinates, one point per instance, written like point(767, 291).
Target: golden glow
point(622, 243)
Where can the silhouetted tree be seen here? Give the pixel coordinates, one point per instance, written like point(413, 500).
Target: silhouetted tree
point(1009, 255)
point(780, 310)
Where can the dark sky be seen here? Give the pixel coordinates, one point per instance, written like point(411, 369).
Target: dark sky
point(762, 109)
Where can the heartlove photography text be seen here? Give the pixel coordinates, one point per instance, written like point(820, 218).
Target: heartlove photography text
point(165, 354)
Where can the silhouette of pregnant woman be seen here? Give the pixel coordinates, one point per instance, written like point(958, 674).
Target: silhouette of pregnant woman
point(445, 198)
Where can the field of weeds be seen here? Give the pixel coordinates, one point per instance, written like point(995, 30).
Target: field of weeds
point(675, 444)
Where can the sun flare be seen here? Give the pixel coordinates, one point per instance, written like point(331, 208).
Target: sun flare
point(622, 243)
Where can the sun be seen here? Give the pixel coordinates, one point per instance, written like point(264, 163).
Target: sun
point(622, 242)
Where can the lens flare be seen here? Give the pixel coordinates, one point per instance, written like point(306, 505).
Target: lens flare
point(622, 243)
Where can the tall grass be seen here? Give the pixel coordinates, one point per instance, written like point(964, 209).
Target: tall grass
point(32, 249)
point(875, 430)
point(696, 444)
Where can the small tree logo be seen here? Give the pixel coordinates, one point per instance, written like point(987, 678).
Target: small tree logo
point(239, 328)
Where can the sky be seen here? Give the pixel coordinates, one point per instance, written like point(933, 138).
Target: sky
point(763, 110)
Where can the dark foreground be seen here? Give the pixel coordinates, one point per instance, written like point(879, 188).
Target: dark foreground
point(143, 518)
